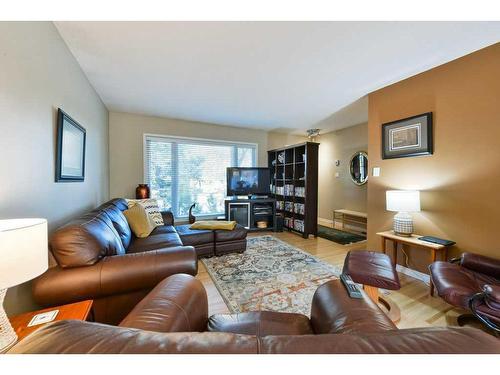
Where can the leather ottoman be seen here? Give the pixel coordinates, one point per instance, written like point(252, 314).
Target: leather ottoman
point(230, 241)
point(374, 270)
point(202, 240)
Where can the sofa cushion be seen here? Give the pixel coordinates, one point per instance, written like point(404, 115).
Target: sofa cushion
point(192, 237)
point(261, 323)
point(119, 222)
point(154, 242)
point(238, 233)
point(163, 229)
point(85, 240)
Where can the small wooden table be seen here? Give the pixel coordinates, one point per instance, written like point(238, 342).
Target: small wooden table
point(350, 217)
point(411, 241)
point(79, 310)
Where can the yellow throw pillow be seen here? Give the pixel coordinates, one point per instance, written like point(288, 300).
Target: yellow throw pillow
point(139, 221)
point(214, 224)
point(152, 209)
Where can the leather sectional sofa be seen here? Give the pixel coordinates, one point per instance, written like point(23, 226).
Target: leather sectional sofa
point(97, 257)
point(173, 318)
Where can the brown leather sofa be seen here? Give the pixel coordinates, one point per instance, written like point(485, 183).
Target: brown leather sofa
point(97, 257)
point(173, 318)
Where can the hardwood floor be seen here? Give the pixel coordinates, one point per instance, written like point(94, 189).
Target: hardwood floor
point(418, 308)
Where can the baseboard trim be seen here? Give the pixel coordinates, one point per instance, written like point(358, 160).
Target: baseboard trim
point(325, 222)
point(414, 273)
point(331, 224)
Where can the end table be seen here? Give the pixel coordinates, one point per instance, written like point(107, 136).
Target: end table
point(79, 310)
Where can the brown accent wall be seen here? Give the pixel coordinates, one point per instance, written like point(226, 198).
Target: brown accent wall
point(460, 183)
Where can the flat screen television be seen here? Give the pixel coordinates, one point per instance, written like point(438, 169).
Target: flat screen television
point(248, 181)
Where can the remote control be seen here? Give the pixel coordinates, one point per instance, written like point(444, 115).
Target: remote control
point(351, 286)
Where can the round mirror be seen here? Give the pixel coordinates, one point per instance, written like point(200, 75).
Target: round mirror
point(359, 168)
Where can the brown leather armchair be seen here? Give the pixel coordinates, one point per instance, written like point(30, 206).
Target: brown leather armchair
point(173, 318)
point(471, 282)
point(97, 257)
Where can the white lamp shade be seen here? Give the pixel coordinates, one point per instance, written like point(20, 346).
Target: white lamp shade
point(402, 200)
point(23, 250)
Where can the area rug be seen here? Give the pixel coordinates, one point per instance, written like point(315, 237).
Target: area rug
point(338, 236)
point(270, 275)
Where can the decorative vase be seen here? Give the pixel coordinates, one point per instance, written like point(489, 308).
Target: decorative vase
point(142, 191)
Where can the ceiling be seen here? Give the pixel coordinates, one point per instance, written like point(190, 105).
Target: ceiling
point(284, 76)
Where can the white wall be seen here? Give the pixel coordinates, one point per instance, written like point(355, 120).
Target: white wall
point(38, 74)
point(126, 144)
point(277, 140)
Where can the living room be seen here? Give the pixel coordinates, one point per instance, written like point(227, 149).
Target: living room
point(249, 187)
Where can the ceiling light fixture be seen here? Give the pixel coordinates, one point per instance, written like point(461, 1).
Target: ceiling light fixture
point(312, 134)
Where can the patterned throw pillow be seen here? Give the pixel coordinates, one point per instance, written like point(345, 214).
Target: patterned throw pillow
point(139, 221)
point(151, 207)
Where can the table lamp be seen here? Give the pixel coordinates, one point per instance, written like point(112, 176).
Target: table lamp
point(23, 256)
point(403, 202)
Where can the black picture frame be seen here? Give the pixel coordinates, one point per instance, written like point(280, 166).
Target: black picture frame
point(70, 133)
point(418, 140)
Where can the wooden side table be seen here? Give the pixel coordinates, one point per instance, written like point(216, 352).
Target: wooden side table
point(413, 240)
point(79, 310)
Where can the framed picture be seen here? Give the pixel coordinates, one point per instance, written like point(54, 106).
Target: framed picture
point(411, 136)
point(70, 158)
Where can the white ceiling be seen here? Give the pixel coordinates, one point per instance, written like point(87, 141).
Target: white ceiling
point(288, 76)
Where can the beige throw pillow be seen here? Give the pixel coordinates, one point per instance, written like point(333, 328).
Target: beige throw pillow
point(139, 221)
point(152, 208)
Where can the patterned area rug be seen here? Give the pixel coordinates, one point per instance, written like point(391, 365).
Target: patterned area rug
point(270, 275)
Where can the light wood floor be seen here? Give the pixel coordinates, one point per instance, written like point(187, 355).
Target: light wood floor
point(418, 308)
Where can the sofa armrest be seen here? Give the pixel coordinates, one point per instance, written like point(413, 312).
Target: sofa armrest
point(168, 217)
point(177, 304)
point(333, 311)
point(482, 264)
point(113, 275)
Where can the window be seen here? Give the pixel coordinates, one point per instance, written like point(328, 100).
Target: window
point(183, 171)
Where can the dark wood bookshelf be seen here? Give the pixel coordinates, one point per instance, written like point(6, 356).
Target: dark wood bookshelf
point(298, 169)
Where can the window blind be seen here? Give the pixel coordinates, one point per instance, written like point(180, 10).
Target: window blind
point(183, 171)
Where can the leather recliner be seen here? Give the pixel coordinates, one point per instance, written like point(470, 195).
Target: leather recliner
point(460, 280)
point(173, 318)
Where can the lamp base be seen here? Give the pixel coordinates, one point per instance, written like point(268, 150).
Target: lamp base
point(403, 224)
point(8, 336)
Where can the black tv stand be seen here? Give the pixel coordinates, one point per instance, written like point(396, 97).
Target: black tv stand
point(247, 212)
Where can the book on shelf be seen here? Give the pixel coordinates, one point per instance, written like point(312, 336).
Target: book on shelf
point(300, 191)
point(299, 208)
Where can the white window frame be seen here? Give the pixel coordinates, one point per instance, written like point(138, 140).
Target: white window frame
point(191, 140)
